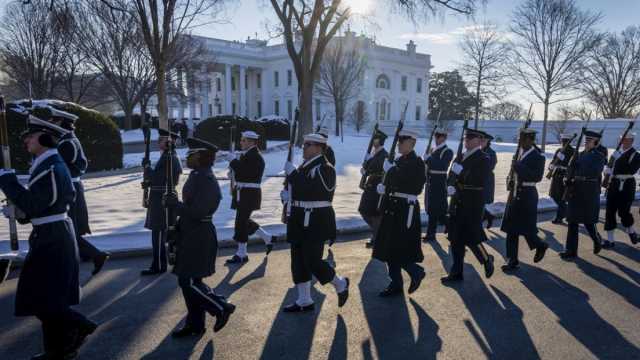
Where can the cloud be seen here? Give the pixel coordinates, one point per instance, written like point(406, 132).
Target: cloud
point(441, 38)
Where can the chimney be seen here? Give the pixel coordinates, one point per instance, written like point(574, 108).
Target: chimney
point(411, 48)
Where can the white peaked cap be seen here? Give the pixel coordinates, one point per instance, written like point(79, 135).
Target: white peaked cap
point(410, 133)
point(630, 135)
point(566, 136)
point(316, 138)
point(324, 131)
point(36, 124)
point(250, 135)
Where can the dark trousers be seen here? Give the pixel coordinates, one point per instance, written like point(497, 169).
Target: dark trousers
point(432, 224)
point(374, 223)
point(59, 331)
point(159, 244)
point(200, 299)
point(86, 249)
point(618, 202)
point(572, 236)
point(457, 250)
point(244, 226)
point(513, 240)
point(306, 261)
point(562, 207)
point(414, 270)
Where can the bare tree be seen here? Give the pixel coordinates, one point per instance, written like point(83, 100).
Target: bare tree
point(505, 110)
point(484, 52)
point(341, 74)
point(551, 41)
point(427, 9)
point(612, 78)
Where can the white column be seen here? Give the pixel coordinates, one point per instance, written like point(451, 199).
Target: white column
point(265, 86)
point(243, 92)
point(191, 87)
point(227, 89)
point(206, 86)
point(411, 96)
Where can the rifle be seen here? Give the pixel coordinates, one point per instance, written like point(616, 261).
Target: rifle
point(510, 177)
point(610, 164)
point(391, 157)
point(232, 150)
point(571, 168)
point(319, 126)
point(169, 212)
point(286, 209)
point(146, 164)
point(556, 160)
point(363, 179)
point(433, 131)
point(6, 164)
point(452, 178)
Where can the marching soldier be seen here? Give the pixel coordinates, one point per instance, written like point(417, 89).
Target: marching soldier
point(373, 170)
point(48, 284)
point(70, 149)
point(621, 191)
point(559, 171)
point(246, 171)
point(490, 181)
point(583, 204)
point(311, 223)
point(196, 241)
point(435, 193)
point(156, 220)
point(521, 214)
point(328, 152)
point(468, 200)
point(398, 242)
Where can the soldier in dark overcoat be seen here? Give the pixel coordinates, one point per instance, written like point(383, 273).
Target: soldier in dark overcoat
point(621, 191)
point(583, 203)
point(48, 285)
point(467, 179)
point(311, 222)
point(559, 171)
point(246, 171)
point(521, 213)
point(490, 181)
point(398, 241)
point(71, 151)
point(436, 162)
point(372, 169)
point(156, 178)
point(196, 242)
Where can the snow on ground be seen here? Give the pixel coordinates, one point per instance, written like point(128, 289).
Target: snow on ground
point(136, 135)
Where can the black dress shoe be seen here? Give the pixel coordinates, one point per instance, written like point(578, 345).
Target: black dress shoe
point(510, 266)
point(223, 318)
point(331, 242)
point(452, 278)
point(634, 238)
point(390, 291)
point(344, 294)
point(597, 246)
point(369, 244)
point(237, 260)
point(295, 308)
point(540, 251)
point(489, 220)
point(415, 283)
point(98, 262)
point(565, 255)
point(608, 244)
point(148, 272)
point(83, 331)
point(488, 267)
point(269, 249)
point(428, 239)
point(557, 221)
point(187, 331)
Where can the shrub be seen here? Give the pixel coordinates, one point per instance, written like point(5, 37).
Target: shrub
point(217, 130)
point(276, 128)
point(98, 134)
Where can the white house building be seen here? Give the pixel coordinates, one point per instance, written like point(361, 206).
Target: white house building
point(254, 79)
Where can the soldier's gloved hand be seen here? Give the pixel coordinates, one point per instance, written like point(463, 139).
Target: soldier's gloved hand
point(607, 170)
point(7, 211)
point(387, 165)
point(380, 189)
point(363, 172)
point(289, 167)
point(7, 171)
point(456, 168)
point(368, 157)
point(146, 163)
point(451, 190)
point(236, 155)
point(170, 200)
point(616, 154)
point(284, 195)
point(561, 156)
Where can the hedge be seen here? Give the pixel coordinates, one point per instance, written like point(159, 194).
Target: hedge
point(98, 134)
point(217, 130)
point(275, 128)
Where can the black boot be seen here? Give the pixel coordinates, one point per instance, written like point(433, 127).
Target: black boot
point(187, 331)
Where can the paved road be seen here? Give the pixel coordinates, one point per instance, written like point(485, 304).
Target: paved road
point(553, 310)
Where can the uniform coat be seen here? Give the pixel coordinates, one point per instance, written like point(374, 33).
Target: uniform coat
point(584, 197)
point(48, 281)
point(72, 153)
point(156, 218)
point(374, 172)
point(435, 197)
point(556, 191)
point(490, 183)
point(396, 242)
point(521, 214)
point(619, 199)
point(197, 243)
point(248, 169)
point(469, 199)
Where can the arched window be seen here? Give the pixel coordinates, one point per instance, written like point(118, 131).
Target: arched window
point(382, 82)
point(382, 109)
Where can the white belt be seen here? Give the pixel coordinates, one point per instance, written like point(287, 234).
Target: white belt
point(244, 185)
point(48, 219)
point(76, 179)
point(438, 172)
point(409, 197)
point(308, 207)
point(622, 179)
point(561, 167)
point(528, 184)
point(412, 199)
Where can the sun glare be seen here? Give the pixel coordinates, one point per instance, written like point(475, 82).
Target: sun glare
point(358, 6)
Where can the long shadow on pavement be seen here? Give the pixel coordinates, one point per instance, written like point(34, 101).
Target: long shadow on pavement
point(171, 348)
point(226, 288)
point(611, 281)
point(339, 344)
point(633, 274)
point(629, 251)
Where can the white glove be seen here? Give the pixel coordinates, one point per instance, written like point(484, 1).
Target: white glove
point(7, 211)
point(451, 190)
point(289, 167)
point(380, 189)
point(607, 170)
point(387, 165)
point(6, 171)
point(456, 168)
point(236, 155)
point(284, 195)
point(616, 154)
point(368, 157)
point(560, 156)
point(363, 171)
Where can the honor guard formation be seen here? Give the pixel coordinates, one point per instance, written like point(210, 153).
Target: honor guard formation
point(458, 188)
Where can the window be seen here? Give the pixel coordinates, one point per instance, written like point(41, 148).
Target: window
point(218, 84)
point(290, 109)
point(381, 110)
point(289, 77)
point(259, 80)
point(317, 110)
point(418, 113)
point(233, 108)
point(403, 83)
point(246, 81)
point(276, 107)
point(210, 109)
point(419, 85)
point(259, 108)
point(382, 82)
point(233, 84)
point(219, 106)
point(276, 79)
